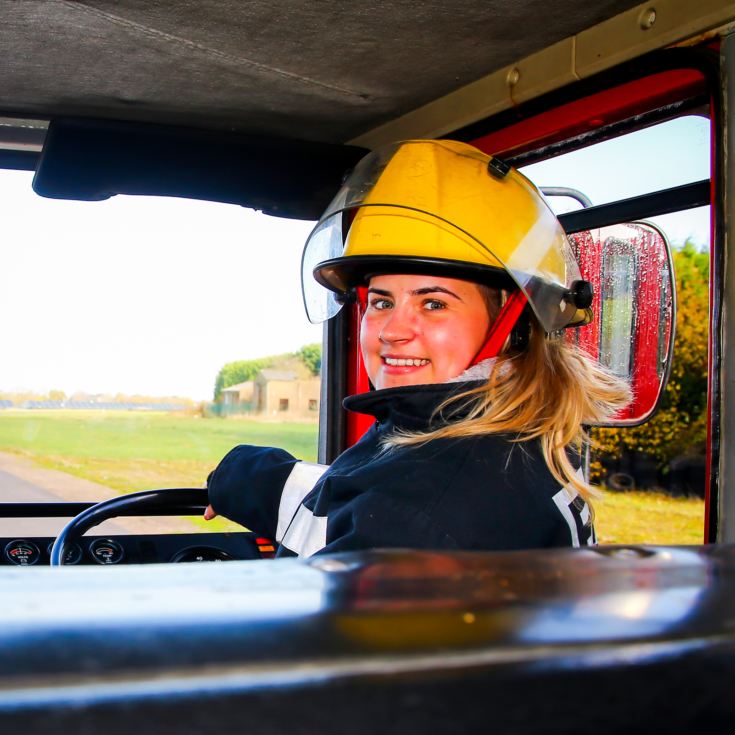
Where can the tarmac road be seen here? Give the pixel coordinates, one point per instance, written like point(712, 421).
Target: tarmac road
point(15, 489)
point(22, 482)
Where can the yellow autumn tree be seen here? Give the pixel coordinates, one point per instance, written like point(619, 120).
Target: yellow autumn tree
point(680, 426)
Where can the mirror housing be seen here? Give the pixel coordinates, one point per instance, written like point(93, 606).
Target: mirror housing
point(634, 310)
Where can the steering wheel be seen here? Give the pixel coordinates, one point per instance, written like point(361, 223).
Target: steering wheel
point(185, 501)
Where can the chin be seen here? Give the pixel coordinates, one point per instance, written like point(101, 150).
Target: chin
point(400, 381)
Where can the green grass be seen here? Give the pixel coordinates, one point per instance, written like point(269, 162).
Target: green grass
point(648, 518)
point(135, 451)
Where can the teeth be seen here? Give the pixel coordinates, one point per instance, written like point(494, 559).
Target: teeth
point(402, 362)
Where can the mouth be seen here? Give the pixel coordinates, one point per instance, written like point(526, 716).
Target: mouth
point(405, 361)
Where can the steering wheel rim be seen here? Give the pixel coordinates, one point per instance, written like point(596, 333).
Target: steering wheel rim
point(166, 501)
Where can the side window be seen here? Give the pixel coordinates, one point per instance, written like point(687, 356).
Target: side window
point(652, 477)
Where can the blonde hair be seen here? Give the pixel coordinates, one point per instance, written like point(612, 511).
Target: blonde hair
point(548, 391)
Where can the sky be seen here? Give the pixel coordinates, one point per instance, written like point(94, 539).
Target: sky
point(152, 296)
point(659, 157)
point(148, 296)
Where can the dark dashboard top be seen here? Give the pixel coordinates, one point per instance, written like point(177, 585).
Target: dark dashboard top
point(396, 640)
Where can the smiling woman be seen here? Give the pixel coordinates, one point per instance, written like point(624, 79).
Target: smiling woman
point(465, 281)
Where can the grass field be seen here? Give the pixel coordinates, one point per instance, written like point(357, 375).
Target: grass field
point(131, 451)
point(135, 451)
point(648, 518)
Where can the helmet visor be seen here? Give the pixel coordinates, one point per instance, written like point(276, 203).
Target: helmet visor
point(325, 243)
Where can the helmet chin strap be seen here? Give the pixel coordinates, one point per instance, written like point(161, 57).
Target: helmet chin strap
point(502, 327)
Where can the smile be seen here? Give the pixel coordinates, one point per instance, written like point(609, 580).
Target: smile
point(406, 362)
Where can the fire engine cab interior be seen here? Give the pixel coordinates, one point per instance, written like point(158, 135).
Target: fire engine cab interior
point(267, 107)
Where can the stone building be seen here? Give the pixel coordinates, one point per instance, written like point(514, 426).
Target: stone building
point(275, 394)
point(282, 393)
point(240, 395)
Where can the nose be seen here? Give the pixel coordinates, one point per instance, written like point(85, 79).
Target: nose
point(399, 325)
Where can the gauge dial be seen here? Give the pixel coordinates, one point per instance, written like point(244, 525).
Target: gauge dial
point(22, 553)
point(201, 553)
point(106, 551)
point(73, 553)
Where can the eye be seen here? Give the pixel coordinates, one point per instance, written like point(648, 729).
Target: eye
point(434, 305)
point(380, 303)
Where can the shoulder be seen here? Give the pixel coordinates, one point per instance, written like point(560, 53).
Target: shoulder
point(506, 459)
point(514, 500)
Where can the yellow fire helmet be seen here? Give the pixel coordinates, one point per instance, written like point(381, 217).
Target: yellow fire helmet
point(445, 208)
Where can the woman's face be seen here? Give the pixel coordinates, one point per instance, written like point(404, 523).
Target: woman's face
point(421, 329)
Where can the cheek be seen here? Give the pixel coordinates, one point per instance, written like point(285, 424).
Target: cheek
point(455, 345)
point(369, 342)
point(450, 345)
point(367, 334)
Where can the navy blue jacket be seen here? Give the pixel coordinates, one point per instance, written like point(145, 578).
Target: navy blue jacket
point(476, 493)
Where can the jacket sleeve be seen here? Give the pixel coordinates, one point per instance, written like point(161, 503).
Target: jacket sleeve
point(261, 487)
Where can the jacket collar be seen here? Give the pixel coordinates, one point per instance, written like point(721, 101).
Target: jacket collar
point(410, 407)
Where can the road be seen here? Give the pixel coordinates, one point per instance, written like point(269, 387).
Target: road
point(22, 481)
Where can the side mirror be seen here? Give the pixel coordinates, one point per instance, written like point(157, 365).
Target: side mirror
point(632, 331)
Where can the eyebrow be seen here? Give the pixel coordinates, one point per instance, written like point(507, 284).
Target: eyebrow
point(418, 292)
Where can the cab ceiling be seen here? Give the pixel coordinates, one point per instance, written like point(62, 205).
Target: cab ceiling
point(322, 71)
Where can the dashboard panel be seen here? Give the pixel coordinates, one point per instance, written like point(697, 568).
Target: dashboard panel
point(138, 548)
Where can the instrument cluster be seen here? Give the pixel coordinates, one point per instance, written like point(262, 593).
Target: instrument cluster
point(137, 549)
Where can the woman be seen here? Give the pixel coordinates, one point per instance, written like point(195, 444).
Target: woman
point(466, 282)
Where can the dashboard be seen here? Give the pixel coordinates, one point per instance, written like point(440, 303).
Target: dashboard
point(138, 549)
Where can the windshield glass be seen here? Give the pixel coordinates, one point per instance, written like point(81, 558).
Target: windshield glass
point(144, 338)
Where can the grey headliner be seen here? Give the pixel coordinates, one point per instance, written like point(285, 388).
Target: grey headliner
point(325, 70)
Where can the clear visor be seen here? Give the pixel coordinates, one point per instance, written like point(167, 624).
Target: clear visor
point(537, 256)
point(324, 243)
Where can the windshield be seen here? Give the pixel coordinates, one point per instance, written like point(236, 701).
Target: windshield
point(144, 338)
